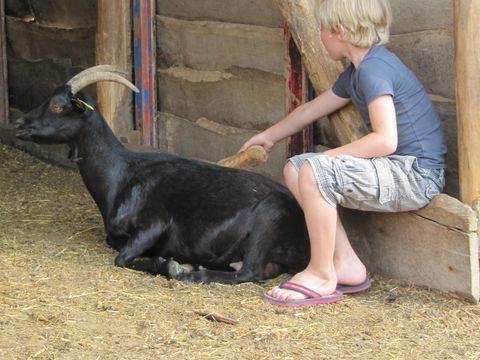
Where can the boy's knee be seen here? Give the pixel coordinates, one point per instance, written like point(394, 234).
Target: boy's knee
point(306, 176)
point(290, 173)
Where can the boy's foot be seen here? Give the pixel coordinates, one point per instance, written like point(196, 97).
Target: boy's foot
point(305, 280)
point(311, 297)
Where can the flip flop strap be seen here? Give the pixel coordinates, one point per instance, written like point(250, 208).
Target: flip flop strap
point(300, 289)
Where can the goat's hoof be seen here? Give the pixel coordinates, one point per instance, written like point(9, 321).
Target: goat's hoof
point(184, 277)
point(175, 269)
point(120, 261)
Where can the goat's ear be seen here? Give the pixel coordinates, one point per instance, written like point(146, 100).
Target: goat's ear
point(57, 107)
point(59, 103)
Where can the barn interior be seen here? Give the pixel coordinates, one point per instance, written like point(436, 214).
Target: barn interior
point(215, 72)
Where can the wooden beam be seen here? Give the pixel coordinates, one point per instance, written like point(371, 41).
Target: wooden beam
point(436, 246)
point(467, 66)
point(323, 71)
point(113, 46)
point(3, 68)
point(296, 95)
point(145, 70)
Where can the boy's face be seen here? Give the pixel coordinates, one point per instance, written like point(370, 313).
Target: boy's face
point(332, 42)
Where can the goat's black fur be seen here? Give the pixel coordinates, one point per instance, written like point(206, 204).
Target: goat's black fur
point(157, 206)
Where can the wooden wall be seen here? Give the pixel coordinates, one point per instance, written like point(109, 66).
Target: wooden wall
point(48, 42)
point(222, 60)
point(423, 37)
point(221, 67)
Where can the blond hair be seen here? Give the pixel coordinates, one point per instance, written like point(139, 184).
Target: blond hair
point(366, 22)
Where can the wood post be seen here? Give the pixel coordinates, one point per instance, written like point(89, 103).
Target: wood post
point(467, 58)
point(145, 70)
point(323, 71)
point(3, 68)
point(113, 47)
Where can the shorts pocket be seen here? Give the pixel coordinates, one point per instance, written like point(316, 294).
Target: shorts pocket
point(360, 192)
point(386, 184)
point(359, 178)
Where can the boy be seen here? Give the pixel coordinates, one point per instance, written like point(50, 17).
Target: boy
point(398, 166)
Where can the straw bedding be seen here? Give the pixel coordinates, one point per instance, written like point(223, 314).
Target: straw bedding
point(62, 298)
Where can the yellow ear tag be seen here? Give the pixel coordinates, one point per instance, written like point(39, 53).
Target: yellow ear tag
point(86, 104)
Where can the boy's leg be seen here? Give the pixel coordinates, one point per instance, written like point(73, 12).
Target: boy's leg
point(348, 268)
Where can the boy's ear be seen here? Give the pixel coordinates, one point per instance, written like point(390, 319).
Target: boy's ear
point(340, 32)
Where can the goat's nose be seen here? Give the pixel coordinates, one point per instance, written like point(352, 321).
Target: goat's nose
point(19, 122)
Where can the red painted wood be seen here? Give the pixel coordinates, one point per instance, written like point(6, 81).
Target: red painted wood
point(144, 59)
point(297, 95)
point(3, 68)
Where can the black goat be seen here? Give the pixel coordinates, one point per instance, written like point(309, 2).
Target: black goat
point(233, 225)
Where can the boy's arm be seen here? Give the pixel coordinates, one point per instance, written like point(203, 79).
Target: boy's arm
point(382, 141)
point(302, 116)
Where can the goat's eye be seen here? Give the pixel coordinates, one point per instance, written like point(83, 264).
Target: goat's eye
point(55, 108)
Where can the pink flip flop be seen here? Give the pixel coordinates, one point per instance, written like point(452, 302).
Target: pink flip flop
point(354, 289)
point(313, 298)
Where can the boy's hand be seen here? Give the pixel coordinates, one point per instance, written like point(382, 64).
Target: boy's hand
point(260, 139)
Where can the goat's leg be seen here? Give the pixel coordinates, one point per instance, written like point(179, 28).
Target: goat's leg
point(154, 266)
point(254, 269)
point(273, 230)
point(138, 244)
point(160, 266)
point(226, 277)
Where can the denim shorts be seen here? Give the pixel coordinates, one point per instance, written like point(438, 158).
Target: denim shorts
point(385, 184)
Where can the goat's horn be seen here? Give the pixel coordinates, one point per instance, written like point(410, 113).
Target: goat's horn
point(98, 68)
point(90, 76)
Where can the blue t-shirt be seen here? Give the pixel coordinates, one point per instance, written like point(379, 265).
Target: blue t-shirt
point(381, 72)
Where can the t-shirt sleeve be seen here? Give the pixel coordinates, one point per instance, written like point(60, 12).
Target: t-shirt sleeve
point(340, 87)
point(374, 80)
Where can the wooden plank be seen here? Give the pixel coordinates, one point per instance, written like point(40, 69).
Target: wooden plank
point(3, 68)
point(144, 55)
point(419, 250)
point(476, 208)
point(323, 71)
point(296, 95)
point(467, 33)
point(113, 46)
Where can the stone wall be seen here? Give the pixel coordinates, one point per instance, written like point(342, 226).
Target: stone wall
point(219, 59)
point(222, 60)
point(423, 37)
point(48, 41)
point(225, 59)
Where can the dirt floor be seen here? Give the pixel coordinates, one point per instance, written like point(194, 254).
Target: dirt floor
point(61, 297)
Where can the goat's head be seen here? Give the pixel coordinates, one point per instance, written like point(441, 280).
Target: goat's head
point(61, 116)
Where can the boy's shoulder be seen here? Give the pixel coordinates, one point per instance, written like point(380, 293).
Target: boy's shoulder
point(382, 61)
point(378, 56)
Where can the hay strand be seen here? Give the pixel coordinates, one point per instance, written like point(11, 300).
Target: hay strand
point(217, 318)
